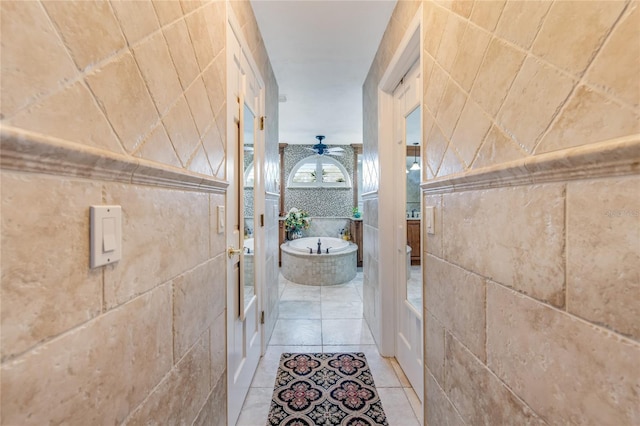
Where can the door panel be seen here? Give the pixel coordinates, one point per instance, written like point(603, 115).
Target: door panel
point(243, 319)
point(407, 130)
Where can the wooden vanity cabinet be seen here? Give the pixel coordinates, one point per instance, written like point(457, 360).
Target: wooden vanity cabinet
point(413, 240)
point(355, 229)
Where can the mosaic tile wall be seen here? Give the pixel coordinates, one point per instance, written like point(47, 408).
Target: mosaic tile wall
point(332, 202)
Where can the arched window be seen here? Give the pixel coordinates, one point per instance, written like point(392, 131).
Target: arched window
point(319, 171)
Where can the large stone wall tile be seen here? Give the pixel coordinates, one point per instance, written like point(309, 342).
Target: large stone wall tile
point(498, 70)
point(197, 26)
point(46, 286)
point(514, 236)
point(473, 125)
point(433, 242)
point(80, 121)
point(157, 147)
point(120, 89)
point(180, 396)
point(164, 233)
point(521, 21)
point(450, 109)
point(457, 299)
point(572, 47)
point(436, 146)
point(198, 298)
point(181, 49)
point(218, 347)
point(26, 53)
point(89, 29)
point(536, 96)
point(158, 71)
point(603, 252)
point(451, 163)
point(451, 40)
point(167, 10)
point(622, 79)
point(214, 412)
point(435, 19)
point(182, 130)
point(487, 13)
point(434, 344)
point(95, 374)
point(440, 411)
point(469, 58)
point(568, 371)
point(497, 148)
point(200, 108)
point(478, 395)
point(589, 117)
point(137, 19)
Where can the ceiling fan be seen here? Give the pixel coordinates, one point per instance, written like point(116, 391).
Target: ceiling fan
point(322, 149)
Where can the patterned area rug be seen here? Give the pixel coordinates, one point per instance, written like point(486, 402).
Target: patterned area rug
point(325, 389)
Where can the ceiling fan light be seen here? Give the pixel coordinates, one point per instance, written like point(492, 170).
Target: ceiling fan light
point(415, 166)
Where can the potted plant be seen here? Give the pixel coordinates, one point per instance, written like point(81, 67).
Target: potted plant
point(295, 221)
point(356, 213)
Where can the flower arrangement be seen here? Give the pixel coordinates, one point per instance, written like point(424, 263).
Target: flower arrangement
point(296, 220)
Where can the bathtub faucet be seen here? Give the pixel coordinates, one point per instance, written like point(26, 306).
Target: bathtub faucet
point(319, 248)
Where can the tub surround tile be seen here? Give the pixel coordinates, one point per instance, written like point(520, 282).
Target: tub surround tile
point(539, 352)
point(46, 292)
point(116, 361)
point(26, 53)
point(603, 260)
point(507, 225)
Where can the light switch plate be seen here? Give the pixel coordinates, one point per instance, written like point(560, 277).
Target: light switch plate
point(429, 217)
point(106, 235)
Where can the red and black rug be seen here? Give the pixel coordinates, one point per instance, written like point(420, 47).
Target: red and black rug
point(325, 389)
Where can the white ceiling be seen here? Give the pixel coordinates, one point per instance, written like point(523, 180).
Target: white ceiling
point(321, 52)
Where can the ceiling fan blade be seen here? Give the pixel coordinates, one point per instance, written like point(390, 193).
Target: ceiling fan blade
point(335, 149)
point(337, 154)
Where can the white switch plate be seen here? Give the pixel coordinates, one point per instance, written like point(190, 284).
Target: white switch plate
point(106, 235)
point(429, 216)
point(221, 218)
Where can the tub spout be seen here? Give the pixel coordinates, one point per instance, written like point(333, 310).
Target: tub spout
point(319, 248)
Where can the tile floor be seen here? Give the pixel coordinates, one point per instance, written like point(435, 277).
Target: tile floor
point(321, 319)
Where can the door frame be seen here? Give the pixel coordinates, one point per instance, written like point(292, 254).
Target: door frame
point(234, 31)
point(390, 221)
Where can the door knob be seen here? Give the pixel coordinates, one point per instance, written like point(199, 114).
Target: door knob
point(233, 251)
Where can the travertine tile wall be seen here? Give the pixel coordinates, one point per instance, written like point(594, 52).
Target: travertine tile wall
point(531, 310)
point(141, 340)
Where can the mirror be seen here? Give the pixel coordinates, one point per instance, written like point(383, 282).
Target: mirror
point(248, 138)
point(413, 172)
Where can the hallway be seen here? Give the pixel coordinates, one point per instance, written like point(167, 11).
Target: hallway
point(328, 319)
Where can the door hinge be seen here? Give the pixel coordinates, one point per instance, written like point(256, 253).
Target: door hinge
point(262, 317)
point(262, 122)
point(262, 219)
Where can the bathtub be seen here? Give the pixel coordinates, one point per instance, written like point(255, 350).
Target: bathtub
point(302, 266)
point(305, 245)
point(248, 246)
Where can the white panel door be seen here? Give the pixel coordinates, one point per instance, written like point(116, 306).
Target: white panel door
point(407, 131)
point(243, 320)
